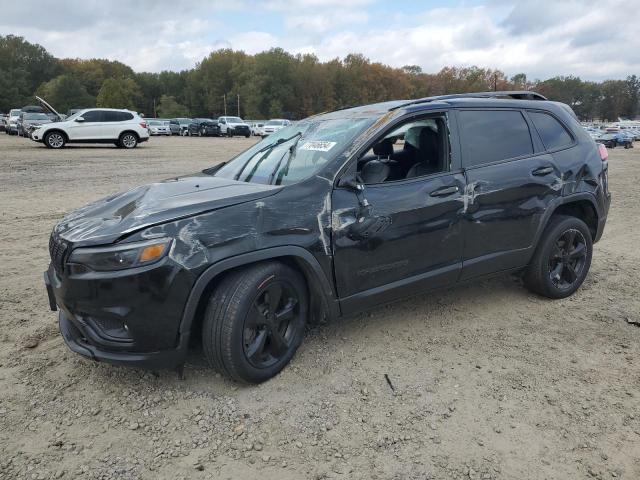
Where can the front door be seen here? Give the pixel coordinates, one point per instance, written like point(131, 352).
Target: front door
point(91, 128)
point(401, 234)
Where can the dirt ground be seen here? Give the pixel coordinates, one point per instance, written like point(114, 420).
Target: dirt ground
point(491, 382)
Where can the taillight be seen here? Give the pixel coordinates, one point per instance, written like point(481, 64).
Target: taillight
point(604, 154)
point(143, 124)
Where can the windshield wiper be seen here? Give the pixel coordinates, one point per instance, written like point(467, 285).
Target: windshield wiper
point(292, 150)
point(267, 149)
point(214, 169)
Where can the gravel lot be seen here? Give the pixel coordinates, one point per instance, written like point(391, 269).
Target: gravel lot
point(490, 381)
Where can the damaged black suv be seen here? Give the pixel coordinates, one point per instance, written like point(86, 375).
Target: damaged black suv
point(333, 215)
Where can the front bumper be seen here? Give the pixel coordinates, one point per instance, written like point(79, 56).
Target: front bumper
point(79, 343)
point(239, 130)
point(131, 319)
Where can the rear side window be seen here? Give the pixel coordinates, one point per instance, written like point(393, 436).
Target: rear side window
point(493, 135)
point(552, 132)
point(110, 116)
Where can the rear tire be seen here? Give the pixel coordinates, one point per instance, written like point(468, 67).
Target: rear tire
point(562, 259)
point(54, 140)
point(255, 321)
point(128, 140)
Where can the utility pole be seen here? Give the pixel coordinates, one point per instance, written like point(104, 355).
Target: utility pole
point(238, 104)
point(495, 82)
point(155, 114)
point(224, 98)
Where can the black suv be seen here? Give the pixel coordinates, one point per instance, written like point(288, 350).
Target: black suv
point(203, 127)
point(333, 215)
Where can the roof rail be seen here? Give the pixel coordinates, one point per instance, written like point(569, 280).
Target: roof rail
point(514, 94)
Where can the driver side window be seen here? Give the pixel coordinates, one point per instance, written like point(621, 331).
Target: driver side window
point(415, 148)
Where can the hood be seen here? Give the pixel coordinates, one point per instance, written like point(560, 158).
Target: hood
point(48, 108)
point(107, 220)
point(36, 122)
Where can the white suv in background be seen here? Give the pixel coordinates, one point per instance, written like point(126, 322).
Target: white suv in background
point(231, 126)
point(123, 128)
point(273, 125)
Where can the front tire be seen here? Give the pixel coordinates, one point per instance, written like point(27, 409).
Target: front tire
point(54, 140)
point(255, 321)
point(128, 140)
point(562, 259)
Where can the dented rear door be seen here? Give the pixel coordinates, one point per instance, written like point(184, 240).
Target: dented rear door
point(506, 198)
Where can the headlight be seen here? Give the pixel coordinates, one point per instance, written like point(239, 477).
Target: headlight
point(120, 257)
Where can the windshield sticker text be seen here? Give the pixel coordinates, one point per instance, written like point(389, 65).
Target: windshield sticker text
point(318, 146)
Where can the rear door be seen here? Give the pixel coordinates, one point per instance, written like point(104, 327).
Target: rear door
point(511, 180)
point(115, 123)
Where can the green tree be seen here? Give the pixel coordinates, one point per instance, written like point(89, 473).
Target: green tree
point(92, 73)
point(65, 92)
point(23, 67)
point(119, 93)
point(169, 108)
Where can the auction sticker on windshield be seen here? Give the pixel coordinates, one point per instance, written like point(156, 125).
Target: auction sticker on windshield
point(318, 146)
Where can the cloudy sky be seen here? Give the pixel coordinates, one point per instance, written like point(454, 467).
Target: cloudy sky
point(593, 39)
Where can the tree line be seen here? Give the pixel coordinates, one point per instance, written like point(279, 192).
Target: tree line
point(274, 84)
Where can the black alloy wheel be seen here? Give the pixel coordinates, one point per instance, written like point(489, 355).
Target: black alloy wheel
point(568, 259)
point(562, 258)
point(271, 324)
point(255, 321)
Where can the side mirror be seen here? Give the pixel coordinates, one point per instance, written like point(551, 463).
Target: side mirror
point(351, 183)
point(79, 119)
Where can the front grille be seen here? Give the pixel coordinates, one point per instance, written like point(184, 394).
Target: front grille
point(58, 252)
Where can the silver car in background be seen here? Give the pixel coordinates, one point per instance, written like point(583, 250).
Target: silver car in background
point(12, 121)
point(28, 121)
point(158, 127)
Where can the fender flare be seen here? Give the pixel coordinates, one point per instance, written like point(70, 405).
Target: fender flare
point(575, 197)
point(306, 261)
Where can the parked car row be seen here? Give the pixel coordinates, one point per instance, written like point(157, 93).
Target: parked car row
point(621, 134)
point(223, 126)
point(24, 121)
point(124, 128)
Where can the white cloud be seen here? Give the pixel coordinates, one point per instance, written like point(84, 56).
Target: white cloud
point(593, 39)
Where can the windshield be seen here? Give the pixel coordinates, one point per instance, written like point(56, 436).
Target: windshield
point(14, 113)
point(296, 152)
point(275, 122)
point(234, 120)
point(36, 116)
point(155, 123)
point(77, 114)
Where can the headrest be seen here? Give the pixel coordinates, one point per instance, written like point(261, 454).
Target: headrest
point(384, 148)
point(428, 142)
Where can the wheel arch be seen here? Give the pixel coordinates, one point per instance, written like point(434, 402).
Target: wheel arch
point(58, 130)
point(129, 131)
point(580, 205)
point(321, 294)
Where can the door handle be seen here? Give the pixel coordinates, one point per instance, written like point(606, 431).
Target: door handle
point(541, 171)
point(443, 192)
